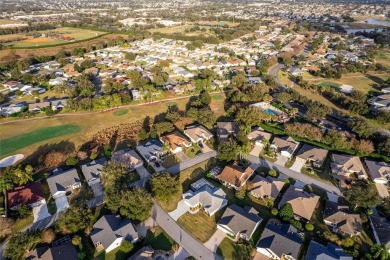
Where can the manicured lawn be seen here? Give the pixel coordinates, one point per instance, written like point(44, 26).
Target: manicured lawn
point(231, 251)
point(170, 160)
point(199, 225)
point(329, 84)
point(187, 177)
point(218, 97)
point(383, 57)
point(192, 151)
point(319, 175)
point(22, 223)
point(159, 240)
point(12, 144)
point(121, 112)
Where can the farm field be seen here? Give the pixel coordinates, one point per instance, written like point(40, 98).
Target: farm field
point(68, 34)
point(89, 124)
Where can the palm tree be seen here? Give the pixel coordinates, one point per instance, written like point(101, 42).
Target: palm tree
point(6, 184)
point(380, 252)
point(243, 151)
point(23, 176)
point(292, 112)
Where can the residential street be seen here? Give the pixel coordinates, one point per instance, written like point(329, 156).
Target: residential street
point(296, 175)
point(273, 71)
point(191, 162)
point(190, 244)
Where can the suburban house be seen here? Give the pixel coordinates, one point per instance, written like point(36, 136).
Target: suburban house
point(59, 104)
point(57, 81)
point(316, 251)
point(279, 241)
point(198, 133)
point(266, 188)
point(239, 222)
point(381, 230)
point(205, 195)
point(128, 157)
point(303, 203)
point(312, 155)
point(93, 170)
point(37, 107)
point(341, 219)
point(345, 167)
point(110, 231)
point(235, 176)
point(12, 109)
point(151, 151)
point(379, 172)
point(296, 71)
point(30, 194)
point(381, 102)
point(225, 129)
point(59, 251)
point(61, 182)
point(175, 141)
point(285, 145)
point(258, 136)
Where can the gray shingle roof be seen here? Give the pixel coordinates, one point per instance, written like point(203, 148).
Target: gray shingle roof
point(281, 239)
point(60, 180)
point(240, 220)
point(93, 169)
point(316, 251)
point(110, 227)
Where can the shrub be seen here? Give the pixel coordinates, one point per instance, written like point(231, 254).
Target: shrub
point(76, 240)
point(126, 246)
point(309, 227)
point(24, 211)
point(286, 212)
point(71, 161)
point(274, 211)
point(93, 156)
point(48, 236)
point(348, 242)
point(273, 173)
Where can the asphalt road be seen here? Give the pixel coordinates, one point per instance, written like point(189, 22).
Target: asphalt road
point(191, 162)
point(184, 239)
point(296, 175)
point(273, 71)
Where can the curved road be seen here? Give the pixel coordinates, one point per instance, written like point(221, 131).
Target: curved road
point(184, 239)
point(273, 71)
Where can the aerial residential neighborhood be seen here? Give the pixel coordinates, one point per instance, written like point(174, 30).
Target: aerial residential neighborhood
point(198, 129)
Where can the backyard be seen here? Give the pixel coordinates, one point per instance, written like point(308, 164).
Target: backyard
point(232, 251)
point(200, 225)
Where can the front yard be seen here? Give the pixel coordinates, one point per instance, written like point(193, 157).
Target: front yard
point(192, 151)
point(200, 225)
point(232, 251)
point(170, 161)
point(159, 240)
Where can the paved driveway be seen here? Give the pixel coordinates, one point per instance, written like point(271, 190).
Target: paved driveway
point(281, 160)
point(205, 148)
point(182, 156)
point(215, 240)
point(97, 189)
point(256, 150)
point(181, 209)
point(62, 203)
point(298, 164)
point(41, 211)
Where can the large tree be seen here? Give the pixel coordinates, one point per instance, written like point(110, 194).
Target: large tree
point(163, 185)
point(136, 204)
point(113, 171)
point(20, 243)
point(227, 151)
point(73, 220)
point(362, 194)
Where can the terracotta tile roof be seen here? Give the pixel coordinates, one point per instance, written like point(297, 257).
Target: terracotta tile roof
point(302, 202)
point(235, 175)
point(174, 140)
point(27, 194)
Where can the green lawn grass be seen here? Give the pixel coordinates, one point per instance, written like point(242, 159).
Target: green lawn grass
point(218, 97)
point(20, 224)
point(192, 151)
point(12, 144)
point(121, 112)
point(199, 225)
point(231, 251)
point(159, 240)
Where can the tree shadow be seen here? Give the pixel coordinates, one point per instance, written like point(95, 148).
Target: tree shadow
point(50, 156)
point(376, 79)
point(194, 176)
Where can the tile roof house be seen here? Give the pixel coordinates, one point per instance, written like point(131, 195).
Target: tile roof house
point(128, 157)
point(225, 129)
point(235, 176)
point(198, 133)
point(59, 104)
point(30, 194)
point(316, 251)
point(204, 194)
point(110, 231)
point(151, 151)
point(345, 167)
point(237, 221)
point(303, 203)
point(258, 136)
point(311, 154)
point(379, 172)
point(37, 107)
point(62, 181)
point(285, 145)
point(93, 170)
point(279, 241)
point(381, 228)
point(175, 141)
point(341, 219)
point(63, 251)
point(266, 188)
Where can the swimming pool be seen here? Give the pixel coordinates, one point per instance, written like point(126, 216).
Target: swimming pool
point(269, 111)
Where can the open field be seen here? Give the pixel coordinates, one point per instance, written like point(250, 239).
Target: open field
point(89, 124)
point(383, 57)
point(48, 51)
point(12, 144)
point(182, 29)
point(65, 35)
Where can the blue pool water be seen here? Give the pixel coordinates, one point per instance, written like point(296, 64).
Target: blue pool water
point(270, 111)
